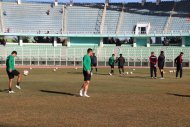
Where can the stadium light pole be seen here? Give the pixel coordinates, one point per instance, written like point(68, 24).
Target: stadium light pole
point(158, 2)
point(143, 2)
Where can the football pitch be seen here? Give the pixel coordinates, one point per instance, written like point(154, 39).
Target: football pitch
point(50, 99)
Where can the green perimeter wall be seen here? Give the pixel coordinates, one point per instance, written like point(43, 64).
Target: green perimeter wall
point(141, 41)
point(80, 41)
point(187, 40)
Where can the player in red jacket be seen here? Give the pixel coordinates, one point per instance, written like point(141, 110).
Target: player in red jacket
point(153, 63)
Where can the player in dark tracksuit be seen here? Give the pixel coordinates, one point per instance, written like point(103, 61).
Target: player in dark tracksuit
point(121, 64)
point(179, 67)
point(111, 63)
point(153, 62)
point(161, 62)
point(94, 62)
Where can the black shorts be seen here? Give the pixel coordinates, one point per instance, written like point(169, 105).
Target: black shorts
point(120, 66)
point(161, 67)
point(112, 66)
point(94, 64)
point(12, 74)
point(87, 77)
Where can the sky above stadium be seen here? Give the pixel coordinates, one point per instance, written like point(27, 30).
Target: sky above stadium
point(97, 1)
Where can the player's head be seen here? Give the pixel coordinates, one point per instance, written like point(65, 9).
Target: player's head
point(152, 53)
point(90, 52)
point(113, 54)
point(181, 53)
point(162, 52)
point(120, 55)
point(14, 53)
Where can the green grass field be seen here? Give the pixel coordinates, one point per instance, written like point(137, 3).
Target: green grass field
point(50, 99)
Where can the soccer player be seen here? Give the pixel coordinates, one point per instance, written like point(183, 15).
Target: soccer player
point(153, 62)
point(111, 63)
point(86, 73)
point(94, 62)
point(121, 64)
point(179, 67)
point(11, 71)
point(161, 62)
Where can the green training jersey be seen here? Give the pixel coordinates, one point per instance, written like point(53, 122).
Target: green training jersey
point(86, 63)
point(111, 60)
point(10, 63)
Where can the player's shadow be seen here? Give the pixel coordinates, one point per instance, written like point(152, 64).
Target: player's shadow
point(56, 92)
point(101, 74)
point(178, 95)
point(137, 77)
point(4, 90)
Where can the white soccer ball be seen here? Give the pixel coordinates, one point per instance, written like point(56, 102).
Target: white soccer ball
point(127, 73)
point(76, 68)
point(30, 68)
point(131, 73)
point(133, 69)
point(171, 71)
point(26, 72)
point(54, 70)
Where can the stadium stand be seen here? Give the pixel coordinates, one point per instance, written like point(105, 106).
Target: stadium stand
point(32, 18)
point(111, 21)
point(97, 21)
point(81, 19)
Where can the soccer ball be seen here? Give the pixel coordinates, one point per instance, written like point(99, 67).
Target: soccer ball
point(127, 73)
point(54, 69)
point(30, 68)
point(171, 71)
point(131, 73)
point(26, 72)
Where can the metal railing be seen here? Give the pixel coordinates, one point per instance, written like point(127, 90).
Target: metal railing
point(136, 57)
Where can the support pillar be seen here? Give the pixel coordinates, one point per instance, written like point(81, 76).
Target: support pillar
point(134, 43)
point(68, 42)
point(20, 41)
point(148, 42)
point(56, 2)
point(55, 42)
point(101, 43)
point(183, 42)
point(18, 1)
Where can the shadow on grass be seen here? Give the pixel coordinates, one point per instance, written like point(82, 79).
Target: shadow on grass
point(75, 73)
point(5, 90)
point(138, 77)
point(56, 92)
point(82, 73)
point(101, 74)
point(178, 95)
